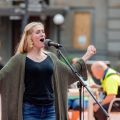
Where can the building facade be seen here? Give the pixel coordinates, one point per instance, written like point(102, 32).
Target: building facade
point(86, 22)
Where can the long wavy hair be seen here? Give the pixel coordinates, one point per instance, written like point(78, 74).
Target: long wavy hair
point(25, 43)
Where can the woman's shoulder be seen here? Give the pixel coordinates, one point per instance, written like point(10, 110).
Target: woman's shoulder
point(18, 57)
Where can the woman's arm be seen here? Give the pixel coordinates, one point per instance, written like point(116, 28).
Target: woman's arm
point(80, 63)
point(91, 50)
point(9, 67)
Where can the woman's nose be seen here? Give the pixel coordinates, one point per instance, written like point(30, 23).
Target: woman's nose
point(43, 35)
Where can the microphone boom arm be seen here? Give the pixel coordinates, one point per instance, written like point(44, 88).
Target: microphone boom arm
point(49, 43)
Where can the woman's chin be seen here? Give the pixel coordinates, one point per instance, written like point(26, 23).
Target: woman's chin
point(40, 47)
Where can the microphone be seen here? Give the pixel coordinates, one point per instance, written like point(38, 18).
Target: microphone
point(49, 43)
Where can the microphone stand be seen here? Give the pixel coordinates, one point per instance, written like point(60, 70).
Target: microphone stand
point(82, 83)
point(79, 85)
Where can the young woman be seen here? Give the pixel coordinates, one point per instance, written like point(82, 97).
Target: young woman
point(34, 81)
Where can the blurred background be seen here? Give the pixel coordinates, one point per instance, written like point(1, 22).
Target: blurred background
point(73, 23)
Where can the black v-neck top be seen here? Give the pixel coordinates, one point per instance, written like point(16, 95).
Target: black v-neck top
point(38, 82)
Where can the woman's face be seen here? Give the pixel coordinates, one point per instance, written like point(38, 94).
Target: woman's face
point(38, 36)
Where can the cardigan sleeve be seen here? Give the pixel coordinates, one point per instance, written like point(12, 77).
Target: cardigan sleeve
point(66, 73)
point(9, 67)
point(81, 68)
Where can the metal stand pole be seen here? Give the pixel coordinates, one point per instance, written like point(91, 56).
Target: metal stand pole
point(79, 85)
point(26, 16)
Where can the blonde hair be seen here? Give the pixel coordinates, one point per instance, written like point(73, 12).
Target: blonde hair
point(26, 43)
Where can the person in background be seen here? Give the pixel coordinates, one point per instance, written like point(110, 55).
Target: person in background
point(110, 81)
point(35, 81)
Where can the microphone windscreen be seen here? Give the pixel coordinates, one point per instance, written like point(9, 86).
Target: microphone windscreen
point(46, 42)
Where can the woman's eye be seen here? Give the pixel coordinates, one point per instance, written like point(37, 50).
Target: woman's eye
point(42, 31)
point(37, 32)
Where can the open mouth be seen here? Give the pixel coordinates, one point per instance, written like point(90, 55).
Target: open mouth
point(42, 39)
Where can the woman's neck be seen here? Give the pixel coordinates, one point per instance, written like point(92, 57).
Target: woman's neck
point(37, 55)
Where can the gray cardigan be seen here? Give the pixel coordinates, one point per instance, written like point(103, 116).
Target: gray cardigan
point(12, 76)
